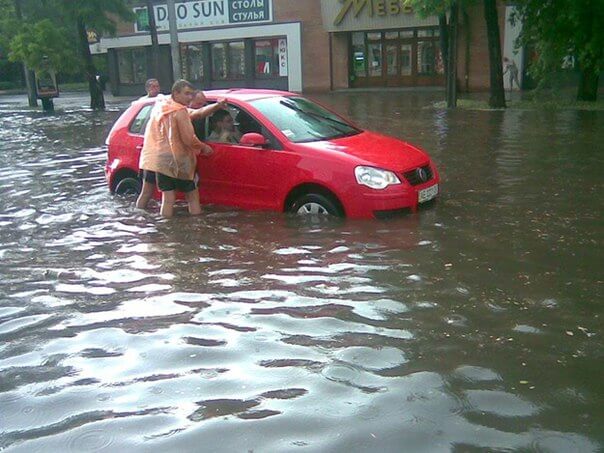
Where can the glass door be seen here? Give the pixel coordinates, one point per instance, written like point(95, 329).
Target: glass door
point(376, 59)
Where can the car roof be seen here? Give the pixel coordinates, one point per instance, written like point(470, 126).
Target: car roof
point(239, 94)
point(246, 94)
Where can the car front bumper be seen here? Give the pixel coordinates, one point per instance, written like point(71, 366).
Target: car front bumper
point(369, 203)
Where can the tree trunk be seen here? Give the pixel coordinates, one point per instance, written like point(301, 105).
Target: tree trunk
point(443, 30)
point(27, 73)
point(588, 84)
point(497, 97)
point(97, 100)
point(452, 57)
point(154, 41)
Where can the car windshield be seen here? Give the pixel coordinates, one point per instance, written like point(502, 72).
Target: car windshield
point(301, 120)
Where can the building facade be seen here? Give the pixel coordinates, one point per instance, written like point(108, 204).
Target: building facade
point(296, 45)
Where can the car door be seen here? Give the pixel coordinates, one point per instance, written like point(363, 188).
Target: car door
point(235, 174)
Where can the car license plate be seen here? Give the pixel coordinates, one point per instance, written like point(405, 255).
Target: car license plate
point(427, 194)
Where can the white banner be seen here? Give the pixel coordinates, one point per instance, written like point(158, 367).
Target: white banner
point(207, 13)
point(283, 58)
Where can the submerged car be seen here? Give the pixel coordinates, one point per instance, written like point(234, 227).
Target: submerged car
point(293, 155)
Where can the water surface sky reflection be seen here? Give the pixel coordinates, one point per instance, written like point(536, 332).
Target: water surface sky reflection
point(474, 325)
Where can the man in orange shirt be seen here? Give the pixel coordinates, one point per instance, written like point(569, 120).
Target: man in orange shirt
point(171, 148)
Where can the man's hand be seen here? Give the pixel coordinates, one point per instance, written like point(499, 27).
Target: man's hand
point(222, 103)
point(206, 150)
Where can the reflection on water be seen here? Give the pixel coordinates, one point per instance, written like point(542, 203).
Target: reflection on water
point(471, 326)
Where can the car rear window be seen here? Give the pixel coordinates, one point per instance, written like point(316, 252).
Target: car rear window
point(140, 121)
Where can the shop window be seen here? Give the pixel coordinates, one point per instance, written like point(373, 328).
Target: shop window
point(228, 60)
point(236, 57)
point(375, 59)
point(219, 61)
point(359, 59)
point(132, 66)
point(407, 33)
point(429, 59)
point(192, 58)
point(391, 60)
point(391, 35)
point(266, 57)
point(406, 68)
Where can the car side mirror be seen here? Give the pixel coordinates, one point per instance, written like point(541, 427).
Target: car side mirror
point(253, 139)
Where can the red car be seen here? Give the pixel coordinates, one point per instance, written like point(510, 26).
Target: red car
point(293, 155)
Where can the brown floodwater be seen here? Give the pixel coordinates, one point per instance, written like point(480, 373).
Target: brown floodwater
point(473, 325)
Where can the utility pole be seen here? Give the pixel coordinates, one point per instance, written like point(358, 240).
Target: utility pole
point(154, 40)
point(174, 46)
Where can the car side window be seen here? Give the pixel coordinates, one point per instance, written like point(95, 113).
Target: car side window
point(140, 121)
point(229, 124)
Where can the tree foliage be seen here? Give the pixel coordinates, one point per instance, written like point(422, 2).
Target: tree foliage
point(56, 29)
point(42, 41)
point(559, 29)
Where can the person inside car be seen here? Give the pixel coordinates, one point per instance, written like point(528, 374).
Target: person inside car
point(199, 111)
point(223, 128)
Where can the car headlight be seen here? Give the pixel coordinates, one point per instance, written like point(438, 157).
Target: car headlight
point(375, 178)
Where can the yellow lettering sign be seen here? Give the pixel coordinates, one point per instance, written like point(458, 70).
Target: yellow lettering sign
point(380, 7)
point(358, 6)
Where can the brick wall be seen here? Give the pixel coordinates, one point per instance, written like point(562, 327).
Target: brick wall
point(315, 40)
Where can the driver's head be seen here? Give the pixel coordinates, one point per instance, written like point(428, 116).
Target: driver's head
point(152, 87)
point(199, 100)
point(182, 92)
point(223, 121)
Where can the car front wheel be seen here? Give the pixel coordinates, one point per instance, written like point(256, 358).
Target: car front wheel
point(128, 187)
point(316, 204)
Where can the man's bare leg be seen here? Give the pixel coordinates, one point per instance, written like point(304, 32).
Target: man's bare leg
point(167, 203)
point(145, 195)
point(193, 201)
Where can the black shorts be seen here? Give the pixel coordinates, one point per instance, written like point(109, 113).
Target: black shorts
point(147, 176)
point(167, 183)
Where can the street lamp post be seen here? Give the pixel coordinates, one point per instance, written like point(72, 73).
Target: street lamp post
point(174, 46)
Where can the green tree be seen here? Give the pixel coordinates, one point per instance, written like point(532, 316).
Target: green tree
point(38, 41)
point(558, 29)
point(451, 7)
point(58, 29)
point(101, 17)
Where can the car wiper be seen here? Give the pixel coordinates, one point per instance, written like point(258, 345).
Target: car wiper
point(293, 106)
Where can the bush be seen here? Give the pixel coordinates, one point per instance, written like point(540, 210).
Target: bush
point(9, 86)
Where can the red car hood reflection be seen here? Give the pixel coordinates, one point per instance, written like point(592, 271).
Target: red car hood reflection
point(375, 150)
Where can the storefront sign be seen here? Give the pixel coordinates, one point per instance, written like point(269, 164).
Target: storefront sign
point(92, 35)
point(354, 15)
point(283, 58)
point(371, 7)
point(46, 84)
point(207, 13)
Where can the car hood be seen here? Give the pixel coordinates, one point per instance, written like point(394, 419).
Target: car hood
point(374, 149)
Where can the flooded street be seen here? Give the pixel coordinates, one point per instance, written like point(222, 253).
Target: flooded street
point(474, 325)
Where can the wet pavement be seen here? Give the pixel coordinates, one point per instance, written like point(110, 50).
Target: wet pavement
point(474, 325)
